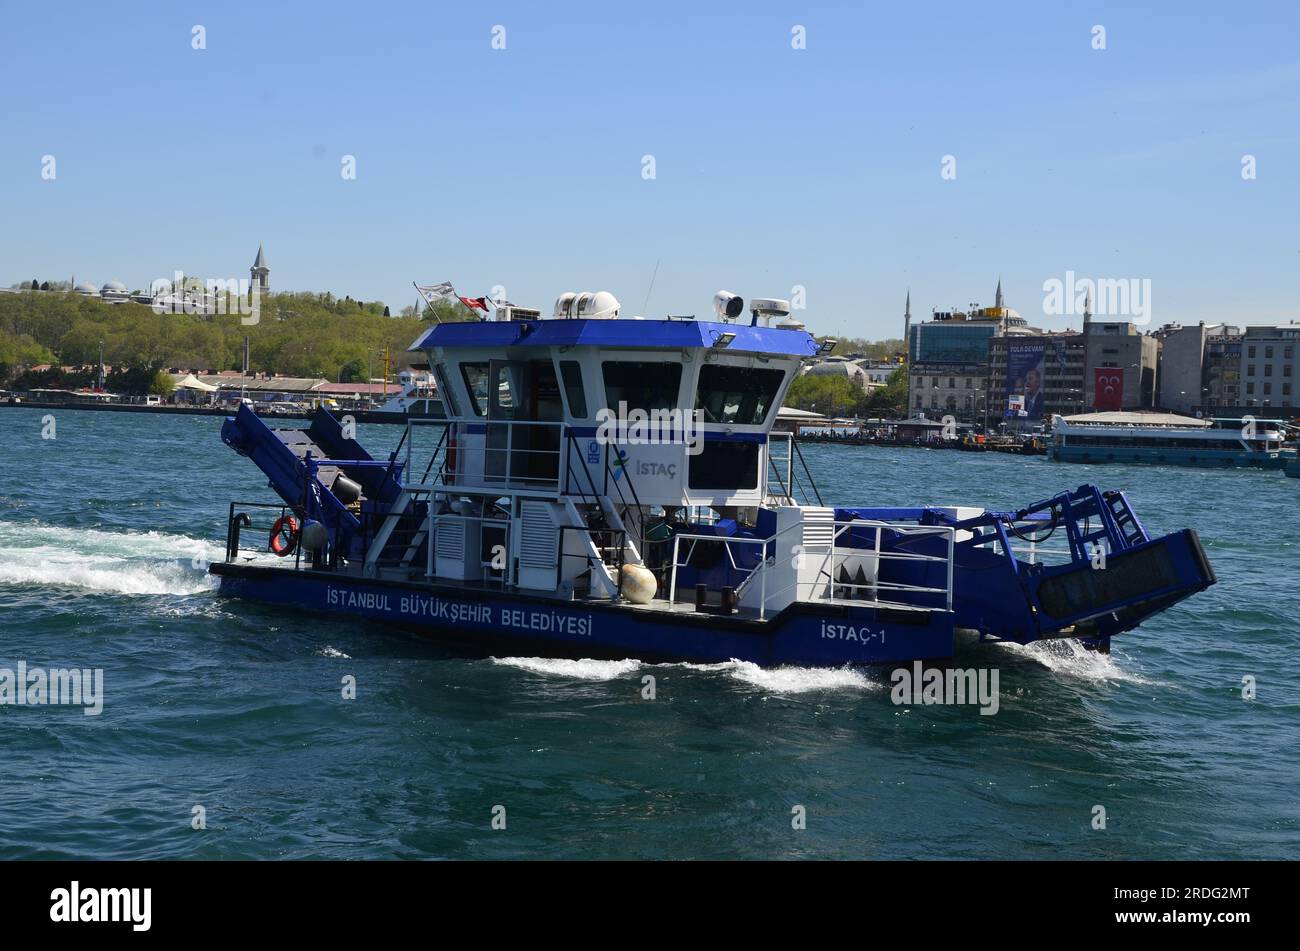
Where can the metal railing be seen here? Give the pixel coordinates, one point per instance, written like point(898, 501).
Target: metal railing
point(616, 542)
point(513, 466)
point(241, 519)
point(835, 555)
point(794, 489)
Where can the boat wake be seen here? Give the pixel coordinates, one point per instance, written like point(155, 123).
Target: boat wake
point(133, 563)
point(776, 680)
point(1069, 658)
point(577, 669)
point(792, 680)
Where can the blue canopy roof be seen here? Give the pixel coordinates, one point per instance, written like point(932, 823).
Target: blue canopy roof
point(617, 333)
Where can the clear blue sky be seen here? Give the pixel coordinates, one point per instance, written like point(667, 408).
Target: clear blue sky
point(775, 167)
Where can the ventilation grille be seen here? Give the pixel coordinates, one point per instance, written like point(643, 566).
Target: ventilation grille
point(451, 539)
point(818, 528)
point(536, 535)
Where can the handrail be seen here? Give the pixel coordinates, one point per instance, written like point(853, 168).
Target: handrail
point(631, 485)
point(787, 493)
point(392, 458)
point(799, 454)
point(572, 443)
point(591, 534)
point(841, 526)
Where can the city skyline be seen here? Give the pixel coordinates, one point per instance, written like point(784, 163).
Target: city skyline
point(517, 158)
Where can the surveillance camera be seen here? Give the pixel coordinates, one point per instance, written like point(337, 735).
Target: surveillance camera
point(728, 306)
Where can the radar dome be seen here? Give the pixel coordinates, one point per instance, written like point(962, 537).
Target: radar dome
point(564, 304)
point(597, 305)
point(601, 304)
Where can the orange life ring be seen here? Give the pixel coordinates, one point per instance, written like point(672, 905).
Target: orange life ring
point(284, 542)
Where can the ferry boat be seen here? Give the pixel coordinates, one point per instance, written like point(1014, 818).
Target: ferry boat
point(418, 399)
point(1169, 439)
point(611, 487)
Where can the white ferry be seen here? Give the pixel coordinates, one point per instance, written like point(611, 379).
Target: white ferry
point(1170, 439)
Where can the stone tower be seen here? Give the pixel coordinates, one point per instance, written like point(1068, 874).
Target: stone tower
point(260, 274)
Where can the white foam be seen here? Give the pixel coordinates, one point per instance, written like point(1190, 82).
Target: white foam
point(134, 563)
point(775, 680)
point(328, 651)
point(585, 669)
point(792, 680)
point(1070, 658)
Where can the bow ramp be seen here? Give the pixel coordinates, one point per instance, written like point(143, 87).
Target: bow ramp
point(322, 475)
point(1079, 564)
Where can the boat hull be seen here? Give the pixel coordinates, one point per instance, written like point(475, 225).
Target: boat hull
point(1205, 458)
point(481, 622)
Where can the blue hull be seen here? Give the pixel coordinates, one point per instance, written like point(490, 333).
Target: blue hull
point(482, 622)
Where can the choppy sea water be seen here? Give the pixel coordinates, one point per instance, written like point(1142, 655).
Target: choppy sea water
point(237, 708)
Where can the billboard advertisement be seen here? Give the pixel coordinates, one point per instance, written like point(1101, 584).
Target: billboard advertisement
point(1025, 379)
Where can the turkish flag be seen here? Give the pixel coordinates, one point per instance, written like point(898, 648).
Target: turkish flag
point(1107, 388)
point(474, 303)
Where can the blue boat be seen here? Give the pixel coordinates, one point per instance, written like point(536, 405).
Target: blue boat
point(611, 487)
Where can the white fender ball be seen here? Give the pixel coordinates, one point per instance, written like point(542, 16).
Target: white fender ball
point(639, 584)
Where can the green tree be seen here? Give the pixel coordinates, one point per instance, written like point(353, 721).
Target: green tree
point(163, 384)
point(828, 394)
point(890, 399)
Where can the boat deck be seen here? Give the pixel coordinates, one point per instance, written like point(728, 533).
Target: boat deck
point(658, 605)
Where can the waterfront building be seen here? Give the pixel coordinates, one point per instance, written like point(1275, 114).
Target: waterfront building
point(1268, 368)
point(1223, 372)
point(1029, 362)
point(1183, 384)
point(948, 359)
point(1131, 356)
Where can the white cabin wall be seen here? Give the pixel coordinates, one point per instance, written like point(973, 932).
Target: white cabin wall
point(659, 472)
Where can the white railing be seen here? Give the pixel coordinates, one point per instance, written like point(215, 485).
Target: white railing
point(495, 467)
point(775, 462)
point(832, 557)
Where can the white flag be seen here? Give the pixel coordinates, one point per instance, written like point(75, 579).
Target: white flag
point(436, 292)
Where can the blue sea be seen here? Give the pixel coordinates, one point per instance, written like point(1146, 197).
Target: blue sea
point(233, 713)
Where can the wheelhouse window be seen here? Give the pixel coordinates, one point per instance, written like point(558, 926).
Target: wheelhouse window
point(740, 395)
point(571, 372)
point(445, 391)
point(643, 385)
point(475, 376)
point(725, 465)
